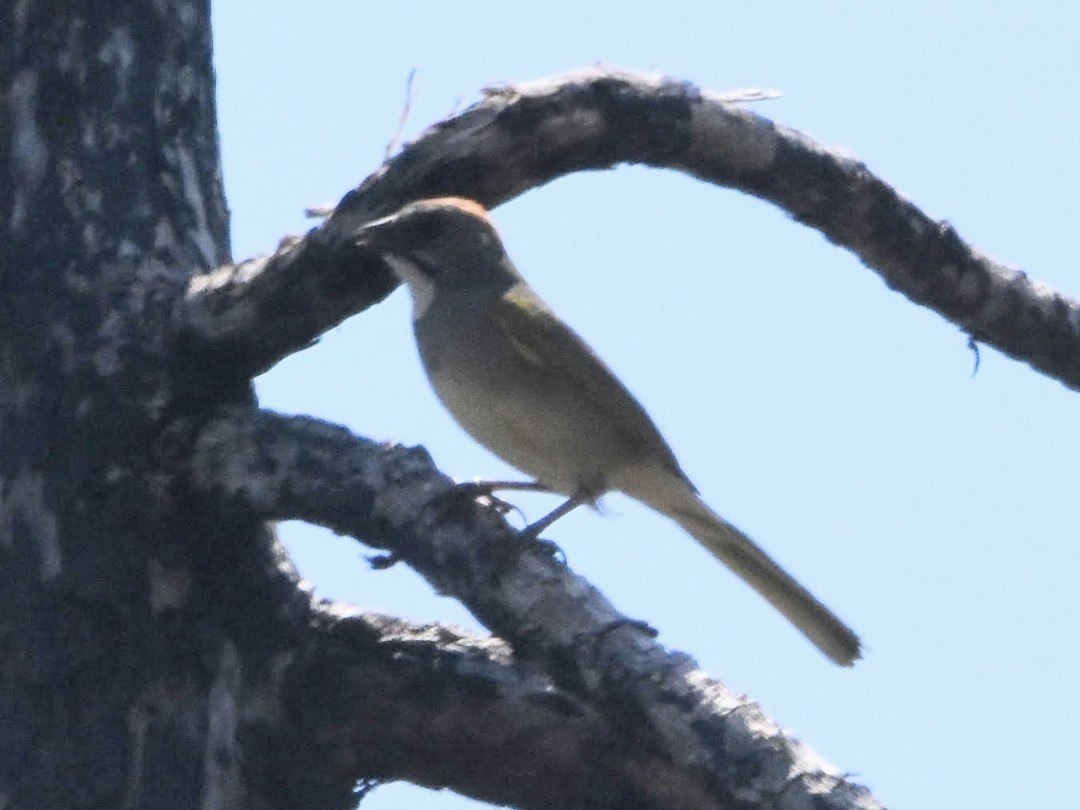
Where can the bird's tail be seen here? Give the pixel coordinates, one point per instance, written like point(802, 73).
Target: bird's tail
point(674, 496)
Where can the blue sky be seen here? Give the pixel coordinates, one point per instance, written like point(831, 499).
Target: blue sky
point(827, 416)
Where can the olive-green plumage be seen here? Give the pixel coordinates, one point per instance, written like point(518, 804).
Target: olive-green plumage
point(526, 386)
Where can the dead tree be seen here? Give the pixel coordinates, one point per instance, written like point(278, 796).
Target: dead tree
point(158, 648)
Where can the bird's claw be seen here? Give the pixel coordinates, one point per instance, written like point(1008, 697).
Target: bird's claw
point(481, 492)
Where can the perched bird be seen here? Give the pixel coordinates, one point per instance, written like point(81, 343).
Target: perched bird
point(527, 387)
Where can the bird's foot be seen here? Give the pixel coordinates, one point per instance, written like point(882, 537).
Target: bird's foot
point(469, 493)
point(483, 492)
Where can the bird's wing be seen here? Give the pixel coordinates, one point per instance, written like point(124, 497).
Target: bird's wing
point(547, 343)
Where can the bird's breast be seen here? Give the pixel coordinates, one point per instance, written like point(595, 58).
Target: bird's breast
point(515, 407)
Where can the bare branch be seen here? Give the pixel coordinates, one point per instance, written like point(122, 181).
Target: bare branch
point(522, 136)
point(394, 498)
point(239, 320)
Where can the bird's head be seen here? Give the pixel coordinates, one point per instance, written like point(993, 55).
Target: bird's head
point(446, 243)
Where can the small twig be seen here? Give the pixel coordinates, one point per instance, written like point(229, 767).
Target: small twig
point(390, 147)
point(324, 210)
point(975, 351)
point(320, 210)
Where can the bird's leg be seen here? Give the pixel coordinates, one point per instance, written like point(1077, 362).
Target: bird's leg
point(487, 487)
point(534, 529)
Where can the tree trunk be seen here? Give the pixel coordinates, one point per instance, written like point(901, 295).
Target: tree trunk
point(134, 614)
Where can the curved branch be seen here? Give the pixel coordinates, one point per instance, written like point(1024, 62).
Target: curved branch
point(392, 497)
point(379, 698)
point(522, 136)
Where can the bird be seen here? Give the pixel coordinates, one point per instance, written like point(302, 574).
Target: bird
point(522, 383)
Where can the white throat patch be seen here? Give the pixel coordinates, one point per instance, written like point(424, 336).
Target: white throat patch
point(421, 287)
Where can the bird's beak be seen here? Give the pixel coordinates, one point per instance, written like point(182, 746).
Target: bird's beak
point(381, 237)
point(372, 232)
